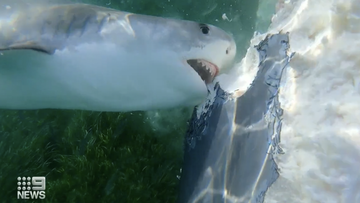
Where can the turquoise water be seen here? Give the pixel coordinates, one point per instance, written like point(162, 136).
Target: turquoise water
point(112, 157)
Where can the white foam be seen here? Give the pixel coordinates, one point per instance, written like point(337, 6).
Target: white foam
point(321, 99)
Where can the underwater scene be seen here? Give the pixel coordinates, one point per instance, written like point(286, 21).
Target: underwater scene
point(95, 105)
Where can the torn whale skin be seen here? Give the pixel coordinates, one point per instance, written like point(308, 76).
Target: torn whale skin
point(230, 147)
point(86, 57)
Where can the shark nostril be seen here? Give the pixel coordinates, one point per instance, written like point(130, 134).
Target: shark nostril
point(227, 51)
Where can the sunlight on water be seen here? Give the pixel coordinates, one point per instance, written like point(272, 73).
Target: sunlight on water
point(320, 96)
point(238, 136)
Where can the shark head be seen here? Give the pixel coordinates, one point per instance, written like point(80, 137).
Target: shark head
point(213, 52)
point(206, 49)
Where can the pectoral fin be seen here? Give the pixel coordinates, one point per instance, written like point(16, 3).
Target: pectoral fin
point(29, 45)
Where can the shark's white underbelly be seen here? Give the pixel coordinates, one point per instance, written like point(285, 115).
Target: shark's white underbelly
point(99, 77)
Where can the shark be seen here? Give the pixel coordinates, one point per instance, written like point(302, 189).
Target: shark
point(87, 57)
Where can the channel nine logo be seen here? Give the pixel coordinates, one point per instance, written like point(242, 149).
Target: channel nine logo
point(31, 187)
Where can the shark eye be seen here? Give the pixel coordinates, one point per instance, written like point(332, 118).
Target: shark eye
point(204, 29)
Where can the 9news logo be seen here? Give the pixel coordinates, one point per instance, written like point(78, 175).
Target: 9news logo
point(31, 187)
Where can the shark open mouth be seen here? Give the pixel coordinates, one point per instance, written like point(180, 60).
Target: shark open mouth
point(206, 70)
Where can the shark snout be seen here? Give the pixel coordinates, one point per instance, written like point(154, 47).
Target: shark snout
point(230, 53)
point(231, 50)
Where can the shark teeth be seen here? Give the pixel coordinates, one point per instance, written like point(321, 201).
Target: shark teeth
point(206, 70)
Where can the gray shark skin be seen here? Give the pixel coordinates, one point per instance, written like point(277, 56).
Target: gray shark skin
point(230, 148)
